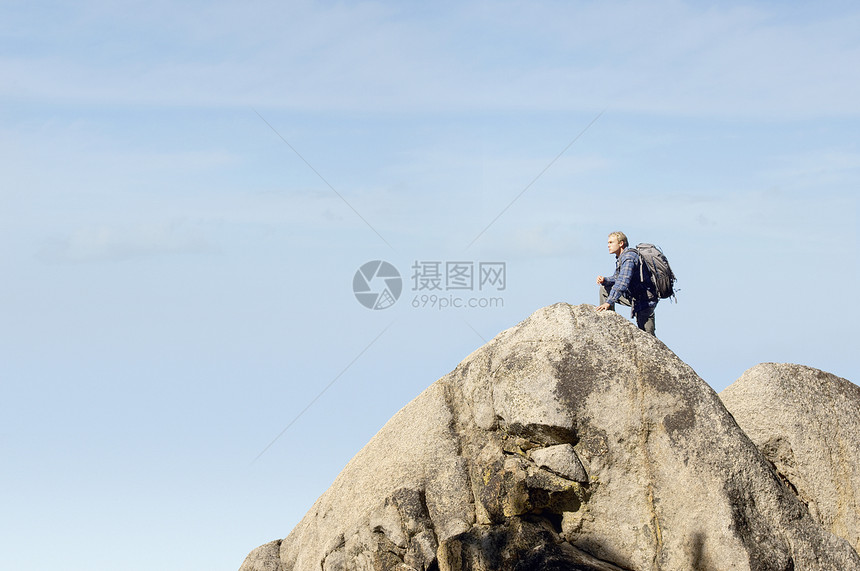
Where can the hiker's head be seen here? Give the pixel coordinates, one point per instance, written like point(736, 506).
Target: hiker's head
point(617, 242)
point(620, 238)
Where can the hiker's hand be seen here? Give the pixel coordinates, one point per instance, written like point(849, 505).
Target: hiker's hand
point(600, 279)
point(603, 307)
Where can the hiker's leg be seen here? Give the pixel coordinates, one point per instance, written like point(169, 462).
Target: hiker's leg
point(624, 300)
point(645, 320)
point(604, 294)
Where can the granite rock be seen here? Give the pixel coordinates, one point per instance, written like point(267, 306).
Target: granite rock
point(807, 424)
point(570, 441)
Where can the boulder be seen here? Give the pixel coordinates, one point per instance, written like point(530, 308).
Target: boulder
point(264, 558)
point(807, 424)
point(570, 441)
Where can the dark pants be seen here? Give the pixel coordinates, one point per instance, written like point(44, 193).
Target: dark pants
point(644, 317)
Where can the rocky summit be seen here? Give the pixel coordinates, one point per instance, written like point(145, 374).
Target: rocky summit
point(576, 441)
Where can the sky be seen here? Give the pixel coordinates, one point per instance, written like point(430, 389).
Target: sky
point(188, 190)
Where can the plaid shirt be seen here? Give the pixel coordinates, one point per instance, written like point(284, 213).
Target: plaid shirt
point(627, 282)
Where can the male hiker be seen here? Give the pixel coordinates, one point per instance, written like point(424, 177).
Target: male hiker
point(629, 285)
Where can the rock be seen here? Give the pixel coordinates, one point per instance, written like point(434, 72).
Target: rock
point(562, 460)
point(571, 441)
point(807, 424)
point(264, 558)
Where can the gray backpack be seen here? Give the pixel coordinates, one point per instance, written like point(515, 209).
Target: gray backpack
point(662, 276)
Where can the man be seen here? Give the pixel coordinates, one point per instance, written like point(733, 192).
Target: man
point(630, 285)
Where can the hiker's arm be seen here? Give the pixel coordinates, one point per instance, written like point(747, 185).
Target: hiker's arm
point(604, 281)
point(624, 273)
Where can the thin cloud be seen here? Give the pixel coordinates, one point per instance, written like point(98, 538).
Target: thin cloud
point(817, 167)
point(673, 58)
point(106, 243)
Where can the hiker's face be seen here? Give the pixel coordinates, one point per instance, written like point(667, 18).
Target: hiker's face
point(614, 245)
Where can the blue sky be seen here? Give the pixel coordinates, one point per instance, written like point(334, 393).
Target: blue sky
point(189, 188)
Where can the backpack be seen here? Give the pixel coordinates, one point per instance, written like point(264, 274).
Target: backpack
point(662, 276)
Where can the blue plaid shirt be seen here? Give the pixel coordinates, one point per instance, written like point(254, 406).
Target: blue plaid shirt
point(627, 280)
